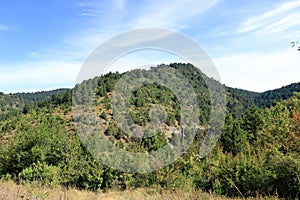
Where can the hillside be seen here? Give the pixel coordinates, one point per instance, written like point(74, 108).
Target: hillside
point(270, 97)
point(14, 104)
point(257, 154)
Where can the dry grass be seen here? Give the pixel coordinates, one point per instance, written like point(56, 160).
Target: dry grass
point(11, 191)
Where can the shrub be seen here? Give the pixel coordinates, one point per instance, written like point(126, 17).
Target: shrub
point(41, 172)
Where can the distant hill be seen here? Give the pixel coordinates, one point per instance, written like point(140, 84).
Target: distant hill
point(269, 98)
point(239, 99)
point(32, 97)
point(13, 104)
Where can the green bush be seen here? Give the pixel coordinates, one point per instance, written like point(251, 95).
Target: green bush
point(286, 179)
point(42, 173)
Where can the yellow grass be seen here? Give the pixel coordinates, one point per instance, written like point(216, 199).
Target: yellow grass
point(11, 191)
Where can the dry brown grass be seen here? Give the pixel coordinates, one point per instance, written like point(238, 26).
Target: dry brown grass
point(11, 191)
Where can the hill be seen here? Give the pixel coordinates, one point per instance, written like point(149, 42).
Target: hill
point(257, 154)
point(270, 97)
point(14, 104)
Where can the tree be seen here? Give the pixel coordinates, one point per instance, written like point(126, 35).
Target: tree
point(234, 138)
point(26, 109)
point(252, 123)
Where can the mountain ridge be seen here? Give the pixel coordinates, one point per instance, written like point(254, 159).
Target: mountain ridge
point(238, 100)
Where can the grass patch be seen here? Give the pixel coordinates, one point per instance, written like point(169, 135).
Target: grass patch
point(12, 191)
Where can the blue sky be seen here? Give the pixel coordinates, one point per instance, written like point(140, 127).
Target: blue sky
point(43, 44)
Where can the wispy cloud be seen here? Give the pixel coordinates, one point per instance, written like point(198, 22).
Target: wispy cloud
point(282, 18)
point(266, 32)
point(100, 20)
point(105, 19)
point(54, 53)
point(256, 55)
point(171, 14)
point(3, 27)
point(285, 23)
point(94, 8)
point(113, 17)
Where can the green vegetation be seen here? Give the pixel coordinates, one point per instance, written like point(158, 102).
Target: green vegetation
point(257, 155)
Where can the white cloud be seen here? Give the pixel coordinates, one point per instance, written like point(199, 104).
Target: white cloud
point(260, 71)
point(285, 23)
point(267, 20)
point(170, 13)
point(148, 13)
point(93, 8)
point(258, 55)
point(107, 20)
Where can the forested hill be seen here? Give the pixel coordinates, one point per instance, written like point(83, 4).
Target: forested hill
point(238, 100)
point(258, 153)
point(270, 97)
point(13, 104)
point(33, 97)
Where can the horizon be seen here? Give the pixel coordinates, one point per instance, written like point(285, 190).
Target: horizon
point(35, 90)
point(44, 44)
point(70, 88)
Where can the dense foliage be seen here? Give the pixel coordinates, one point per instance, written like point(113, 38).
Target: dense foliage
point(258, 153)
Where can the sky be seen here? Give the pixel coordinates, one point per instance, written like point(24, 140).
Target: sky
point(43, 44)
